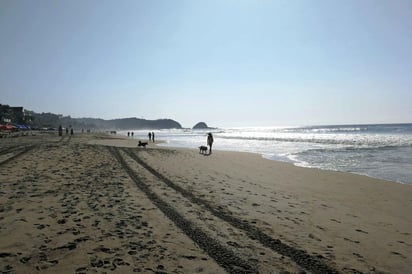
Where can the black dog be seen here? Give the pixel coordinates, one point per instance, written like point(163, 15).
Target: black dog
point(142, 144)
point(203, 149)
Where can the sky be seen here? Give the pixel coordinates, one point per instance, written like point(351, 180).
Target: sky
point(223, 62)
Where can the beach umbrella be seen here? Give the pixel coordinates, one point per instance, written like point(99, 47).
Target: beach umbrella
point(23, 127)
point(10, 127)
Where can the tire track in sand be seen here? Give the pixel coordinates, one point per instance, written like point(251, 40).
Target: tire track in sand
point(223, 256)
point(22, 150)
point(299, 256)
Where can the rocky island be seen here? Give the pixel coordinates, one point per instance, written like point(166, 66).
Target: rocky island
point(201, 125)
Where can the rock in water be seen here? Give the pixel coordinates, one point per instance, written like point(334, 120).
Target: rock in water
point(201, 125)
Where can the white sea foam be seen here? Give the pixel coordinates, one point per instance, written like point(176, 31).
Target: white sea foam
point(382, 151)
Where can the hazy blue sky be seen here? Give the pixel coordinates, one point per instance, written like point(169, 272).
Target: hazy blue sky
point(225, 62)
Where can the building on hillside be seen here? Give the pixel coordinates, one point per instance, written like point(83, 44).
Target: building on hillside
point(14, 115)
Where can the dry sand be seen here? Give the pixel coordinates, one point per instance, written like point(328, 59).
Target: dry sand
point(97, 203)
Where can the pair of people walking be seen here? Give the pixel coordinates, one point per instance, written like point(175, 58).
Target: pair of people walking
point(151, 136)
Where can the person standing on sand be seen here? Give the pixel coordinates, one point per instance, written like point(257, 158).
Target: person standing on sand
point(210, 141)
point(60, 131)
point(150, 136)
point(153, 137)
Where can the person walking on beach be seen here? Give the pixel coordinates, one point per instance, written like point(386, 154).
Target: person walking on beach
point(60, 131)
point(150, 136)
point(153, 137)
point(210, 141)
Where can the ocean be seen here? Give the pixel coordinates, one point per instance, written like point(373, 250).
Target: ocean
point(380, 150)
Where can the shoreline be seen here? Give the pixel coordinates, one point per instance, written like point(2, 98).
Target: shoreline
point(295, 164)
point(375, 150)
point(71, 204)
point(162, 144)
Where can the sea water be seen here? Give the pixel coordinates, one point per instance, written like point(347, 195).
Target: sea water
point(382, 151)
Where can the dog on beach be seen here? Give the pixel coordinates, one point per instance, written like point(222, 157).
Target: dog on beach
point(203, 149)
point(142, 144)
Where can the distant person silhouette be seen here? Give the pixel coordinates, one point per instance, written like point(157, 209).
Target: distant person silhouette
point(132, 134)
point(150, 136)
point(210, 141)
point(153, 137)
point(71, 131)
point(128, 134)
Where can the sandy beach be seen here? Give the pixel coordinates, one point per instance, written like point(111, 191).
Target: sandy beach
point(96, 203)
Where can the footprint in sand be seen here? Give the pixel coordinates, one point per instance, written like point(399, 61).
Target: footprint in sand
point(397, 254)
point(357, 255)
point(314, 237)
point(361, 231)
point(352, 241)
point(336, 221)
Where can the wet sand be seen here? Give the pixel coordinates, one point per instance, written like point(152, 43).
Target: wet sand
point(97, 203)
